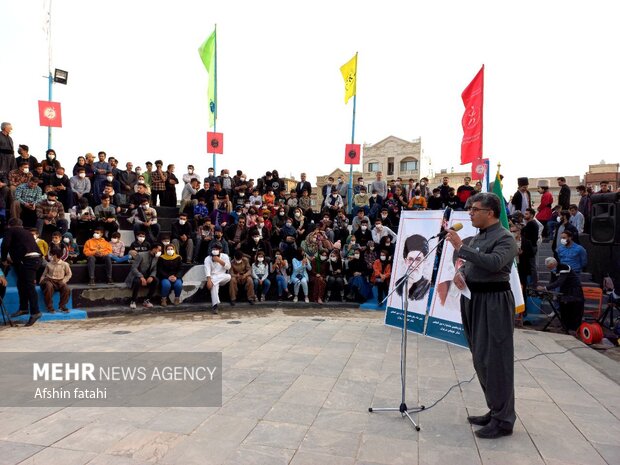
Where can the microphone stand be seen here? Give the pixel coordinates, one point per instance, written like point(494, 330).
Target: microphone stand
point(403, 408)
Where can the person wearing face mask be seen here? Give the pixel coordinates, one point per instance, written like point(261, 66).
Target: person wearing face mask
point(106, 216)
point(50, 212)
point(62, 185)
point(143, 273)
point(376, 204)
point(55, 277)
point(363, 234)
point(335, 277)
point(216, 270)
point(98, 250)
point(169, 274)
point(254, 244)
point(570, 253)
point(211, 177)
point(435, 201)
point(380, 278)
point(564, 224)
point(357, 273)
point(188, 196)
point(333, 202)
point(50, 163)
point(142, 186)
point(417, 201)
point(57, 245)
point(380, 231)
point(279, 268)
point(182, 237)
point(260, 276)
point(241, 276)
point(145, 220)
point(319, 266)
point(191, 174)
point(80, 185)
point(73, 251)
point(140, 244)
point(118, 254)
point(101, 168)
point(20, 175)
point(109, 182)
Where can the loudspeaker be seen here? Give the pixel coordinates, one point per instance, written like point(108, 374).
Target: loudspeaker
point(605, 223)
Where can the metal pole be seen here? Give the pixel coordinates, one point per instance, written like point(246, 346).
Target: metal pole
point(350, 189)
point(49, 99)
point(50, 80)
point(215, 95)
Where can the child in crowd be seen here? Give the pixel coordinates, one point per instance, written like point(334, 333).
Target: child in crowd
point(71, 245)
point(57, 245)
point(55, 277)
point(118, 249)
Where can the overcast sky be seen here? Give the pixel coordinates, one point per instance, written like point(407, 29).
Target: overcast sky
point(137, 87)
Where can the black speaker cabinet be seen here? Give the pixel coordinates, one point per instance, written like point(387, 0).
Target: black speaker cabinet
point(605, 223)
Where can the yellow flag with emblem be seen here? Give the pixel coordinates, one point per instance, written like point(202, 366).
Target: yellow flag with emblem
point(349, 74)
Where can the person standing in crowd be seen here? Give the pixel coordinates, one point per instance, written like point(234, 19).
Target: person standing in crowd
point(544, 207)
point(143, 273)
point(128, 180)
point(191, 174)
point(23, 155)
point(216, 270)
point(303, 184)
point(101, 168)
point(576, 218)
point(464, 191)
point(585, 207)
point(170, 196)
point(444, 191)
point(158, 183)
point(488, 316)
point(55, 277)
point(564, 195)
point(570, 253)
point(7, 150)
point(522, 199)
point(379, 186)
point(531, 231)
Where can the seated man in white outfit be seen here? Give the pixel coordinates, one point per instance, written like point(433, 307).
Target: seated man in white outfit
point(216, 268)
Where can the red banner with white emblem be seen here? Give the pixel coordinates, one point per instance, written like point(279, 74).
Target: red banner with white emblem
point(478, 169)
point(215, 142)
point(471, 146)
point(50, 114)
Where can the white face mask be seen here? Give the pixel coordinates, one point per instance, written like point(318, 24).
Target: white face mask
point(333, 259)
point(82, 175)
point(356, 255)
point(383, 258)
point(383, 215)
point(210, 173)
point(417, 196)
point(51, 202)
point(110, 178)
point(190, 171)
point(158, 254)
point(281, 213)
point(215, 253)
point(297, 215)
point(114, 240)
point(260, 259)
point(97, 236)
point(364, 228)
point(257, 239)
point(563, 241)
point(170, 252)
point(559, 219)
point(182, 222)
point(140, 239)
point(59, 176)
point(323, 257)
point(138, 171)
point(66, 240)
point(165, 242)
point(26, 170)
point(145, 206)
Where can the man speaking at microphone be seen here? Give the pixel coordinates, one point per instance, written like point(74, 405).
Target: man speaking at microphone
point(488, 317)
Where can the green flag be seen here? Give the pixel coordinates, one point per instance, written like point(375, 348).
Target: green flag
point(497, 190)
point(207, 55)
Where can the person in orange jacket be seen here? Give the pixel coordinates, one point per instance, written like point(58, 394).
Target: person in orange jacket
point(98, 250)
point(381, 271)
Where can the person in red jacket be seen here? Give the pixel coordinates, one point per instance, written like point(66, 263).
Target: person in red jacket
point(381, 272)
point(544, 208)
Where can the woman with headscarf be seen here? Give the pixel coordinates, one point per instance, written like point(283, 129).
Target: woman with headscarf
point(415, 251)
point(80, 163)
point(318, 276)
point(335, 277)
point(168, 272)
point(50, 163)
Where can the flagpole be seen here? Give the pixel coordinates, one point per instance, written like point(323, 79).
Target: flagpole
point(49, 71)
point(350, 189)
point(215, 93)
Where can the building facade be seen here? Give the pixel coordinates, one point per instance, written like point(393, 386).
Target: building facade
point(603, 172)
point(394, 157)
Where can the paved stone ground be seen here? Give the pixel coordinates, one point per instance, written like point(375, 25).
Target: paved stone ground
point(297, 387)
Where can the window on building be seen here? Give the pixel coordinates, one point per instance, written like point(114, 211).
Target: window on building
point(373, 167)
point(408, 166)
point(390, 167)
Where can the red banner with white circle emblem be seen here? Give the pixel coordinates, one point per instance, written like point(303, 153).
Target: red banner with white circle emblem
point(50, 114)
point(471, 146)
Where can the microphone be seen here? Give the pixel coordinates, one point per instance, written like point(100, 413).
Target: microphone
point(442, 234)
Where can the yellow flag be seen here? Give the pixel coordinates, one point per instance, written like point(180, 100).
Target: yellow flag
point(349, 74)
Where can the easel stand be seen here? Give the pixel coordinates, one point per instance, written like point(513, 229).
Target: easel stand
point(402, 408)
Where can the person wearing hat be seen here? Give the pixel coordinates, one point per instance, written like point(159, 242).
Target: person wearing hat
point(544, 207)
point(50, 212)
point(217, 265)
point(521, 200)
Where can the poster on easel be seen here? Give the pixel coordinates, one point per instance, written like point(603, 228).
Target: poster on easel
point(414, 246)
point(444, 316)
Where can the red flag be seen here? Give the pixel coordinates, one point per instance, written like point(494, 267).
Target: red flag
point(471, 147)
point(478, 169)
point(49, 114)
point(352, 154)
point(215, 142)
